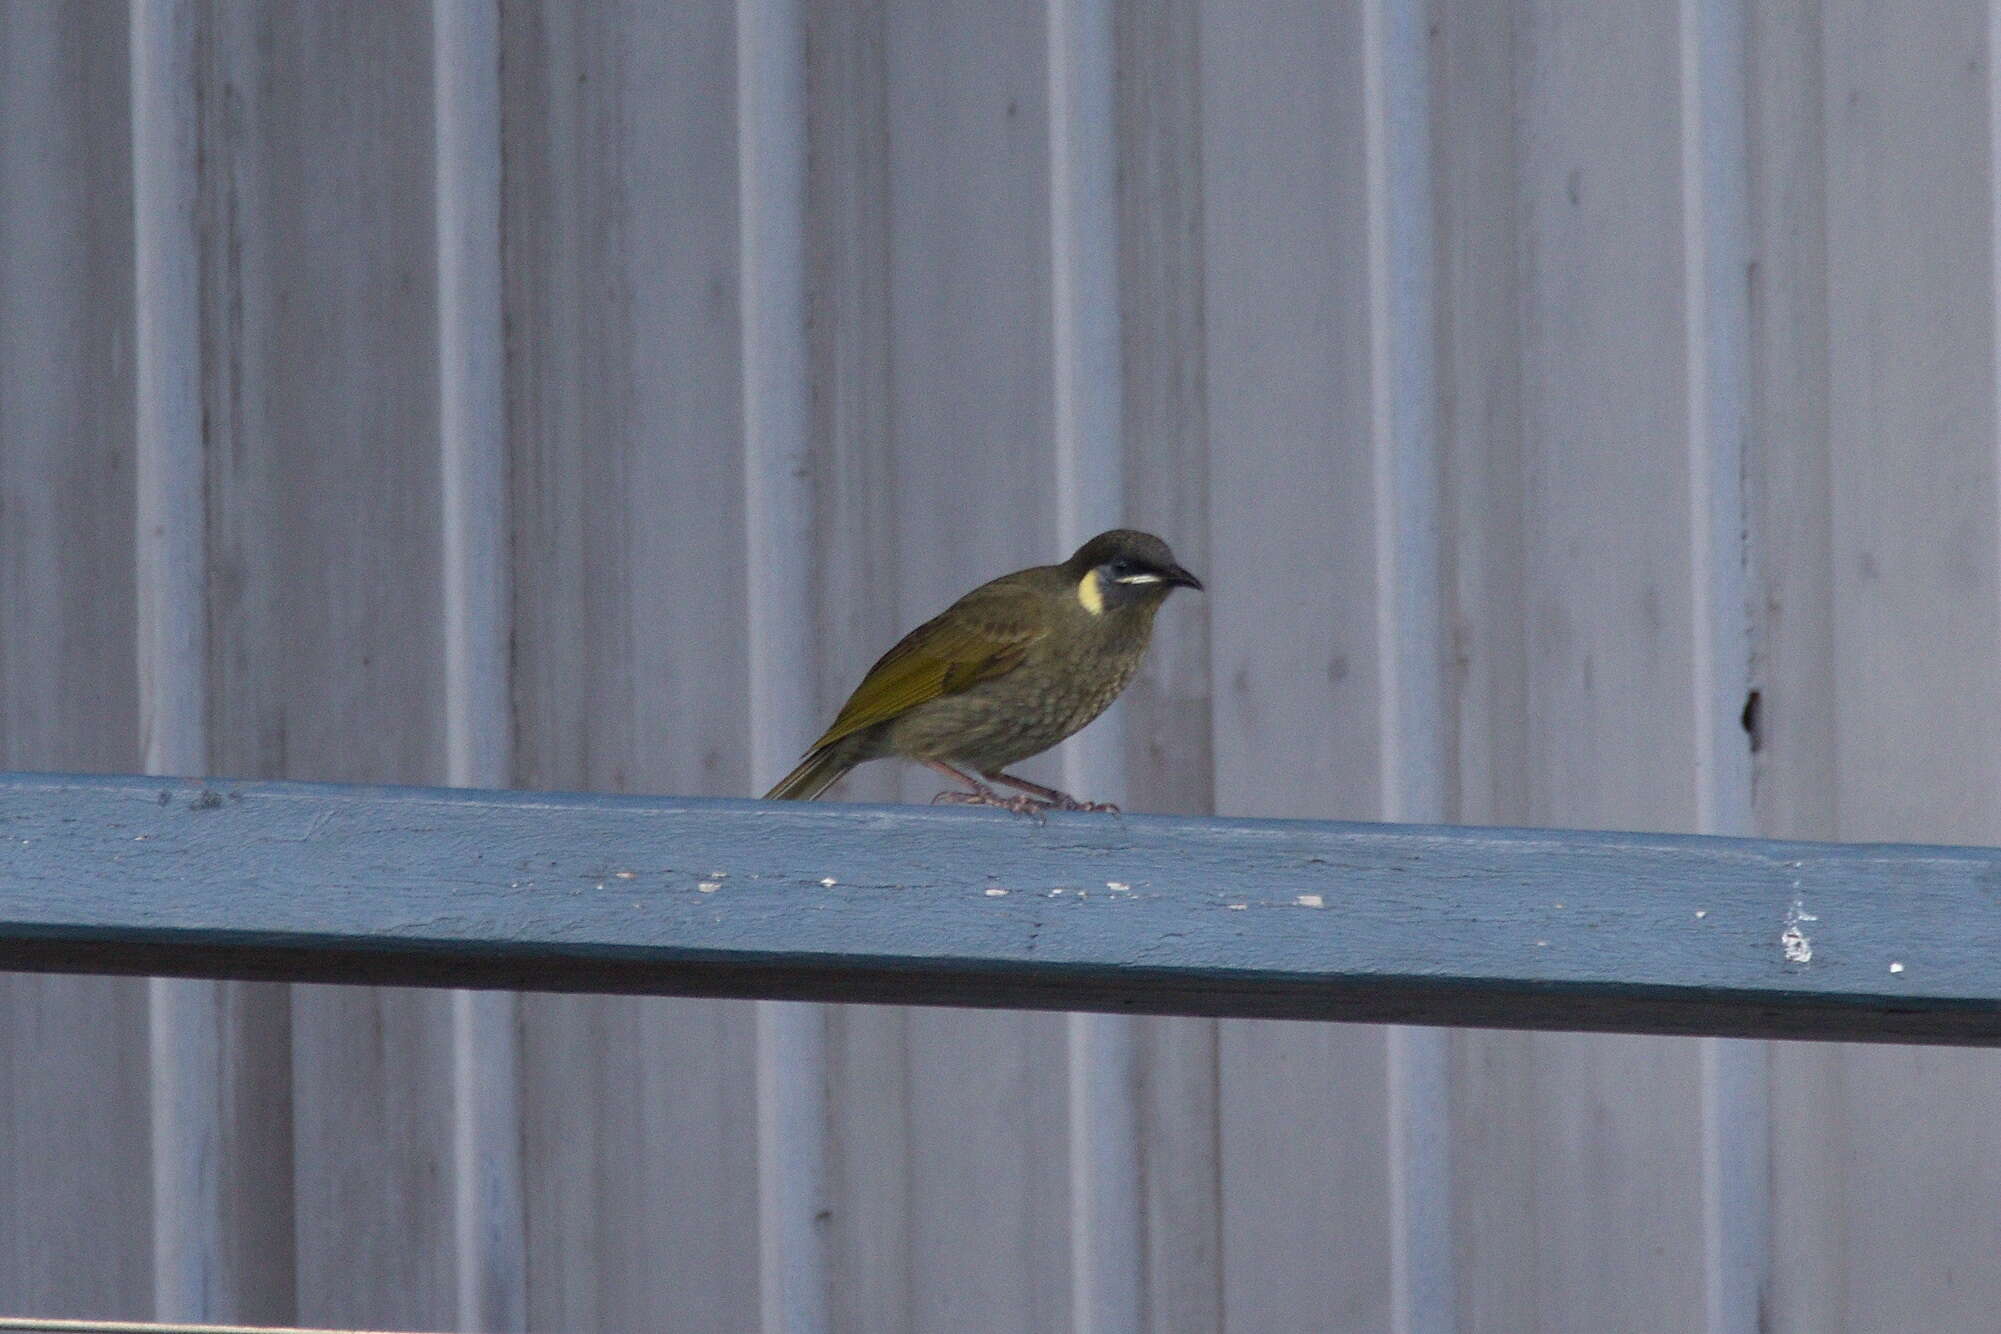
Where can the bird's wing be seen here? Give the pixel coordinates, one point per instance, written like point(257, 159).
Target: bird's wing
point(983, 635)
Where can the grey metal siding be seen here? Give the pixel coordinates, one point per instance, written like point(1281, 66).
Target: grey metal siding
point(1529, 382)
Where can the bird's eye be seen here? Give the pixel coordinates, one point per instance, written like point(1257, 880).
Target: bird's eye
point(1120, 568)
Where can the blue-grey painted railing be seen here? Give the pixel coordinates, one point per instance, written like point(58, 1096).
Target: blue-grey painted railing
point(1261, 918)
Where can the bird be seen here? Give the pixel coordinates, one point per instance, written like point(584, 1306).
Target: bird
point(1006, 672)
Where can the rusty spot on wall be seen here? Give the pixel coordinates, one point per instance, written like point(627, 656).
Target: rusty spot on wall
point(1752, 722)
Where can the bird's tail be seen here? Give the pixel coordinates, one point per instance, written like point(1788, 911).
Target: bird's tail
point(820, 770)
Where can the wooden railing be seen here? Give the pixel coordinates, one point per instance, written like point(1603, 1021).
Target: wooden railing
point(1640, 933)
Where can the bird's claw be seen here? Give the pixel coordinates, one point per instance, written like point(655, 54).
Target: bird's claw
point(1089, 807)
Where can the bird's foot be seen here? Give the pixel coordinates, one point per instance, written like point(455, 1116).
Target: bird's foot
point(1051, 799)
point(986, 796)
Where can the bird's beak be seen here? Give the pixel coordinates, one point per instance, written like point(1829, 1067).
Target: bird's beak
point(1180, 578)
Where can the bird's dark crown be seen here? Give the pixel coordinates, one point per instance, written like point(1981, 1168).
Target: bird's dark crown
point(1127, 554)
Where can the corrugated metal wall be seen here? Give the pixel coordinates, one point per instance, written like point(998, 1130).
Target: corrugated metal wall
point(580, 394)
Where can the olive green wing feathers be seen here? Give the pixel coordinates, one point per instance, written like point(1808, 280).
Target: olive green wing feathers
point(983, 635)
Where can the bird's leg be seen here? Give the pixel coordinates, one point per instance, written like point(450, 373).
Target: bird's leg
point(981, 794)
point(1062, 801)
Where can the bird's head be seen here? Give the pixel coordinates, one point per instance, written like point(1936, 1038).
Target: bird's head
point(1124, 568)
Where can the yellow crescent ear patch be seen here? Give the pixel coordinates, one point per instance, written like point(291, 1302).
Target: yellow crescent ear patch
point(1091, 594)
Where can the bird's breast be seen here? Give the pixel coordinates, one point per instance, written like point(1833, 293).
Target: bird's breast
point(1064, 683)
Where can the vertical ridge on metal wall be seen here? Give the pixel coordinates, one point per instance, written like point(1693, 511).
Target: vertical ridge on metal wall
point(1102, 1051)
point(190, 1278)
point(792, 1107)
point(173, 684)
point(1994, 206)
point(1716, 250)
point(489, 1207)
point(1403, 382)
